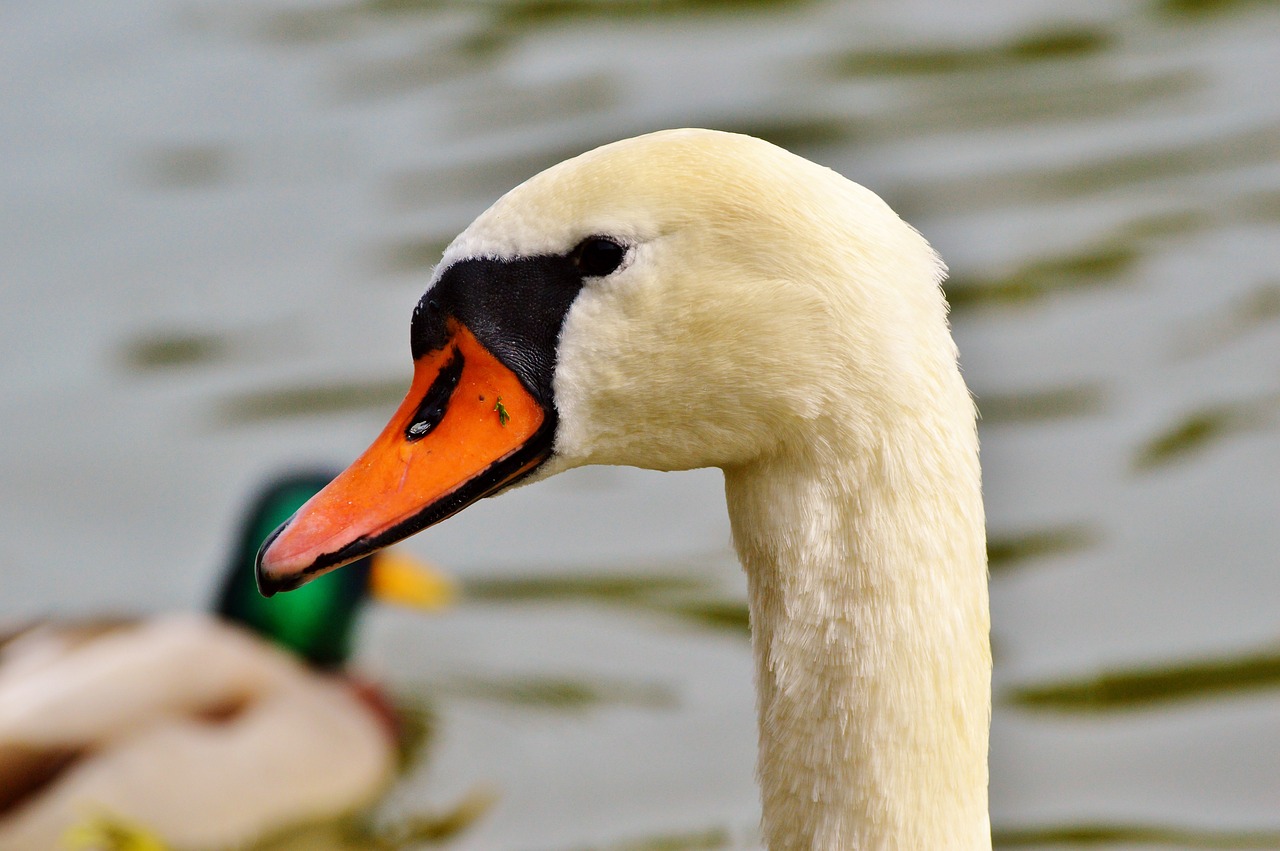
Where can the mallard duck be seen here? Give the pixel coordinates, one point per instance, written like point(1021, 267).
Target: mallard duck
point(208, 730)
point(689, 299)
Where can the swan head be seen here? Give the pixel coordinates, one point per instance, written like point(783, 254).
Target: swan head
point(683, 299)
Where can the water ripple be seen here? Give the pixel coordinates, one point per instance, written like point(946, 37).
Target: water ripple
point(1199, 429)
point(1078, 835)
point(1142, 687)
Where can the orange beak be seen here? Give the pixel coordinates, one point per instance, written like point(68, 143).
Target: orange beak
point(467, 428)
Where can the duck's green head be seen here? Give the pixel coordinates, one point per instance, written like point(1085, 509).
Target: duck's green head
point(317, 620)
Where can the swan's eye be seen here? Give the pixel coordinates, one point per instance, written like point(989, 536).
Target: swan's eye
point(598, 256)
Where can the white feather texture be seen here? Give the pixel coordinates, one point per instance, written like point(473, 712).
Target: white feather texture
point(782, 323)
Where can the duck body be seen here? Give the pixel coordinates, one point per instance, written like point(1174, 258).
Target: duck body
point(693, 298)
point(194, 728)
point(210, 730)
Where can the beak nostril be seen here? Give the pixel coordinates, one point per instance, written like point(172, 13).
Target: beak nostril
point(436, 400)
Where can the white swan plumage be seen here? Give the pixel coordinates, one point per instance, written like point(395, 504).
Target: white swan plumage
point(693, 298)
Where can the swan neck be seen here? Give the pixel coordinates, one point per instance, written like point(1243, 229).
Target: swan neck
point(867, 582)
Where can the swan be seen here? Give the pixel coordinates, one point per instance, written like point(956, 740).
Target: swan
point(211, 731)
point(694, 298)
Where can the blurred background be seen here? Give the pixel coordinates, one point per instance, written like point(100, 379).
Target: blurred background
point(217, 217)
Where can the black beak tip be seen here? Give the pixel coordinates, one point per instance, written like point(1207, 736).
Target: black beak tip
point(269, 585)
